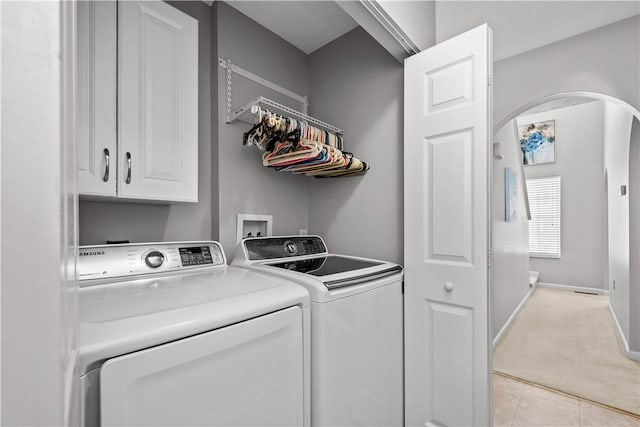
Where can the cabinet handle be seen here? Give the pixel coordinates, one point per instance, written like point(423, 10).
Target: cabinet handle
point(105, 178)
point(128, 180)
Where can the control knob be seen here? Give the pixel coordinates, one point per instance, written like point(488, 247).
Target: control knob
point(154, 259)
point(290, 247)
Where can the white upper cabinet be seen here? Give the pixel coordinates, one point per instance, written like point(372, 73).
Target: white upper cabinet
point(157, 102)
point(96, 137)
point(151, 153)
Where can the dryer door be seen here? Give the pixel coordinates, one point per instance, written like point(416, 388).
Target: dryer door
point(250, 373)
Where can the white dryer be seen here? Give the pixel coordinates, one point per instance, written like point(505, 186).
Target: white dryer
point(356, 327)
point(171, 335)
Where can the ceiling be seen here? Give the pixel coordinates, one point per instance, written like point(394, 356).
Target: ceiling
point(308, 25)
point(519, 26)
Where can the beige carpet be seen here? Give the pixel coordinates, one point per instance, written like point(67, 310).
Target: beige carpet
point(569, 342)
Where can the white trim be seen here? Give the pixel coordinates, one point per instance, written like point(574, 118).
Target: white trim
point(561, 95)
point(633, 355)
point(363, 17)
point(1, 164)
point(511, 318)
point(69, 211)
point(573, 288)
point(390, 26)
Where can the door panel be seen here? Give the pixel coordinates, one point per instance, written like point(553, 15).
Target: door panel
point(452, 351)
point(449, 86)
point(96, 111)
point(448, 200)
point(160, 117)
point(447, 135)
point(250, 373)
point(158, 102)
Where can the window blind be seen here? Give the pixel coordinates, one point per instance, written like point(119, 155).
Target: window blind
point(544, 226)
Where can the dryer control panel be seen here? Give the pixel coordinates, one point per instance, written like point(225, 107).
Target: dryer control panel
point(112, 261)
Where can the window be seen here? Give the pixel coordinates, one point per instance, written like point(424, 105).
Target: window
point(544, 226)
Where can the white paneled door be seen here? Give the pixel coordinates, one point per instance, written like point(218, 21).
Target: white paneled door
point(447, 137)
point(157, 102)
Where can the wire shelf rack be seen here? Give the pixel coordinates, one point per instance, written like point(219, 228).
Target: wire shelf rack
point(249, 113)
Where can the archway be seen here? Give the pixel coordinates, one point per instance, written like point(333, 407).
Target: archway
point(559, 101)
point(563, 95)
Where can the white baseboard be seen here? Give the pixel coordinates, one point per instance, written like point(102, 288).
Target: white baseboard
point(511, 318)
point(633, 355)
point(573, 288)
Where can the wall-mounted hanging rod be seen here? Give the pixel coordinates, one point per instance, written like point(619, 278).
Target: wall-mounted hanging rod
point(248, 114)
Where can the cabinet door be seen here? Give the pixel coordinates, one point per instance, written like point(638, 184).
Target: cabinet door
point(157, 102)
point(96, 119)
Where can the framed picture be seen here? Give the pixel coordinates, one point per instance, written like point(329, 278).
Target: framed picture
point(538, 142)
point(510, 194)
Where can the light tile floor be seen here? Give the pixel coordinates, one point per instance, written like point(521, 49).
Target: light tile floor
point(519, 404)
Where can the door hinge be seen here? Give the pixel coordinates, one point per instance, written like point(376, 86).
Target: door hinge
point(489, 259)
point(489, 79)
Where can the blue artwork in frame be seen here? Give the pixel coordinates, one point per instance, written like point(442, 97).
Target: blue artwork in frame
point(538, 142)
point(510, 194)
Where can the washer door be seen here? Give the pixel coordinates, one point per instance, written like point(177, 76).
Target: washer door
point(250, 373)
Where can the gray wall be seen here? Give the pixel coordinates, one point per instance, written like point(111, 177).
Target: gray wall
point(245, 185)
point(137, 222)
point(510, 240)
point(605, 60)
point(580, 163)
point(357, 85)
point(617, 133)
point(634, 238)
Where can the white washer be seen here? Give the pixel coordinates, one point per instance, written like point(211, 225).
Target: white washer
point(171, 335)
point(356, 327)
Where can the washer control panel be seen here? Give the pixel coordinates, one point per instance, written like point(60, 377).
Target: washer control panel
point(261, 248)
point(111, 261)
point(154, 259)
point(196, 255)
